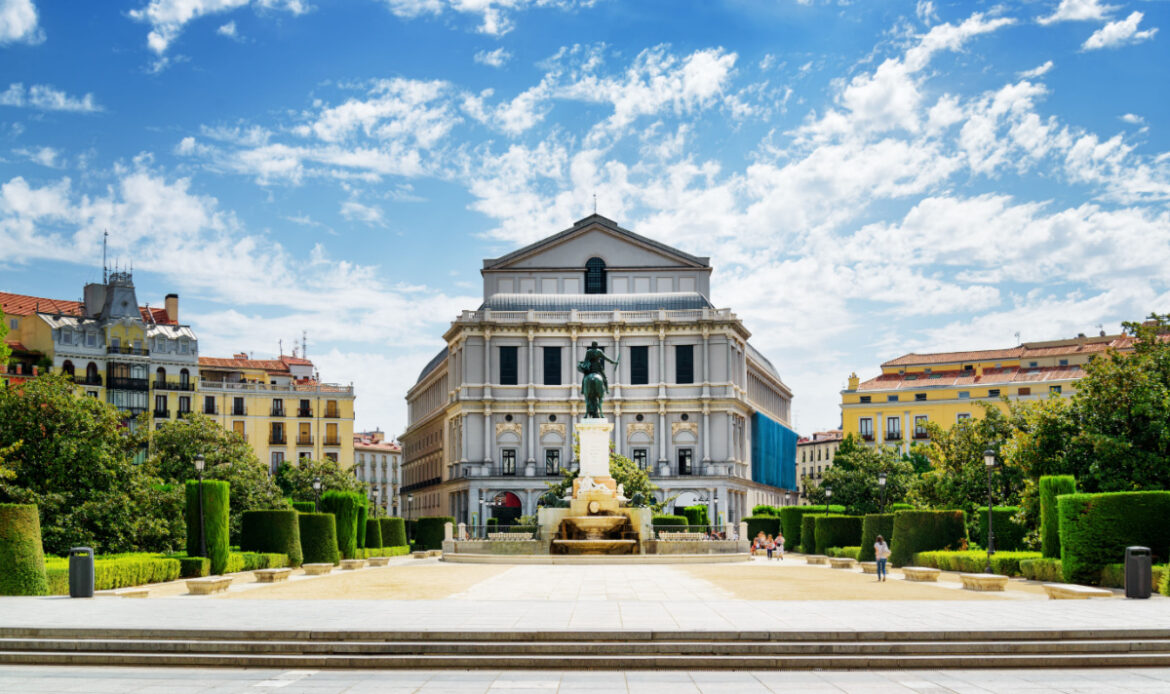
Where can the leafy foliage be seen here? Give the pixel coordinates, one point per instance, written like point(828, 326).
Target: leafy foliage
point(215, 515)
point(319, 538)
point(5, 350)
point(272, 531)
point(1051, 487)
point(22, 565)
point(1095, 529)
point(924, 531)
point(296, 480)
point(853, 477)
point(833, 530)
point(873, 525)
point(346, 508)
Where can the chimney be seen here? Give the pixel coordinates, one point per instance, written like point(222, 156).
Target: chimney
point(978, 371)
point(172, 304)
point(854, 381)
point(240, 355)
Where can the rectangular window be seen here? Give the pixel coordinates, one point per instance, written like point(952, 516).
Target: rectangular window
point(331, 456)
point(276, 433)
point(91, 339)
point(639, 366)
point(993, 392)
point(552, 461)
point(331, 408)
point(305, 435)
point(552, 366)
point(277, 459)
point(331, 437)
point(507, 286)
point(684, 364)
point(640, 458)
point(1024, 391)
point(893, 428)
point(891, 398)
point(508, 461)
point(1054, 389)
point(684, 461)
point(964, 394)
point(160, 404)
point(116, 342)
point(238, 407)
point(277, 407)
point(238, 427)
point(303, 409)
point(866, 399)
point(66, 337)
point(920, 396)
point(548, 286)
point(509, 375)
point(13, 323)
point(1033, 364)
point(962, 415)
point(208, 404)
point(865, 428)
point(920, 426)
point(185, 404)
point(1064, 362)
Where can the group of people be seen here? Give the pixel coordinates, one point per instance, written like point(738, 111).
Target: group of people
point(774, 546)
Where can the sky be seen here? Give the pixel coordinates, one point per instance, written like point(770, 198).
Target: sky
point(868, 178)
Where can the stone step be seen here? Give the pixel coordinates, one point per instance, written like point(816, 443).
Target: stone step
point(592, 662)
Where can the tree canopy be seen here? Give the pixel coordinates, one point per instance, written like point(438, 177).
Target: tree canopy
point(853, 477)
point(296, 480)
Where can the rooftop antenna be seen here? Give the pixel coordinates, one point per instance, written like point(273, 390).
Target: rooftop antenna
point(280, 345)
point(1018, 338)
point(1101, 328)
point(304, 344)
point(595, 203)
point(105, 272)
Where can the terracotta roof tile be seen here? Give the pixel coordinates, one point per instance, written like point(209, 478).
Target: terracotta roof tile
point(24, 305)
point(1090, 345)
point(990, 377)
point(271, 365)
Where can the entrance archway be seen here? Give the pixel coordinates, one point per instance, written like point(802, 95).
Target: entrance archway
point(506, 508)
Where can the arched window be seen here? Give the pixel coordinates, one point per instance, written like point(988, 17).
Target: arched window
point(595, 276)
point(67, 367)
point(91, 373)
point(160, 377)
point(184, 378)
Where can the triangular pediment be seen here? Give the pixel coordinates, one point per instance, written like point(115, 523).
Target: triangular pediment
point(596, 236)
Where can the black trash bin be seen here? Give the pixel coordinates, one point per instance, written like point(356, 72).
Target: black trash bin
point(81, 572)
point(1138, 572)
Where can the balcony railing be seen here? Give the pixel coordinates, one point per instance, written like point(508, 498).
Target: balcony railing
point(277, 439)
point(277, 412)
point(893, 436)
point(332, 441)
point(162, 414)
point(122, 383)
point(332, 388)
point(173, 385)
point(331, 414)
point(83, 380)
point(210, 409)
point(867, 437)
point(124, 349)
point(304, 440)
point(183, 413)
point(921, 435)
point(239, 411)
point(304, 412)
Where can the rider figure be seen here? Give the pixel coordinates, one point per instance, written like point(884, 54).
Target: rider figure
point(594, 363)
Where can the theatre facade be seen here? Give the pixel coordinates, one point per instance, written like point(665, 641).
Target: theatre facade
point(491, 417)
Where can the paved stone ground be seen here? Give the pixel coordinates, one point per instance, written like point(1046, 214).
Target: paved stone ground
point(49, 680)
point(594, 582)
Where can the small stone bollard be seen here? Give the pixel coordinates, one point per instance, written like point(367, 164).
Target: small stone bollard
point(448, 532)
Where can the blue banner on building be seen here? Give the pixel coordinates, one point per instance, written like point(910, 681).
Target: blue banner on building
point(773, 452)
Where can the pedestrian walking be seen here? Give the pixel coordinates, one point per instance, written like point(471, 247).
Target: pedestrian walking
point(770, 545)
point(780, 546)
point(882, 552)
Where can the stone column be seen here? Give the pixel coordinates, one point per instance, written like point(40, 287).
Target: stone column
point(487, 395)
point(448, 532)
point(531, 434)
point(743, 531)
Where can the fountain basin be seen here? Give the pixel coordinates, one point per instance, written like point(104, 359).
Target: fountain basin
point(601, 546)
point(595, 527)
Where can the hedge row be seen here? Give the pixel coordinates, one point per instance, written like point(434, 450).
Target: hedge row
point(872, 525)
point(849, 552)
point(318, 538)
point(790, 521)
point(1164, 583)
point(215, 521)
point(193, 567)
point(1052, 486)
point(346, 508)
point(975, 561)
point(304, 506)
point(393, 532)
point(808, 533)
point(1043, 569)
point(668, 520)
point(22, 563)
point(769, 525)
point(924, 531)
point(697, 515)
point(362, 516)
point(1009, 535)
point(430, 531)
point(835, 530)
point(1095, 529)
point(373, 533)
point(115, 571)
point(275, 531)
point(1113, 575)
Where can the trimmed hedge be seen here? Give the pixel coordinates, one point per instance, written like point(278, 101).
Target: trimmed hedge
point(872, 525)
point(319, 538)
point(304, 506)
point(1095, 529)
point(22, 562)
point(837, 531)
point(115, 571)
point(924, 531)
point(362, 517)
point(215, 519)
point(975, 561)
point(1009, 535)
point(808, 533)
point(900, 507)
point(765, 510)
point(276, 531)
point(1164, 584)
point(430, 531)
point(1052, 486)
point(790, 521)
point(345, 507)
point(393, 532)
point(193, 567)
point(1113, 576)
point(669, 520)
point(1043, 569)
point(697, 515)
point(849, 552)
point(373, 533)
point(769, 525)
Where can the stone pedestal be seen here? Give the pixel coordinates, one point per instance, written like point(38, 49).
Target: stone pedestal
point(594, 439)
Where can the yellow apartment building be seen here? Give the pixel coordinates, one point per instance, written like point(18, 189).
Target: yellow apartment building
point(894, 407)
point(280, 408)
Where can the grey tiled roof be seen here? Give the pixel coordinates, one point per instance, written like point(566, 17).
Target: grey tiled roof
point(432, 364)
point(670, 301)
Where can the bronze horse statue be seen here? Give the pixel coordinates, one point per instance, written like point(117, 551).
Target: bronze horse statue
point(594, 385)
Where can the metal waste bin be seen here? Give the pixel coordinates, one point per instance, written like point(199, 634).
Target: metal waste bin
point(81, 572)
point(1138, 572)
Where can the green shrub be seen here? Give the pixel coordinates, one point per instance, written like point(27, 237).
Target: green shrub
point(22, 562)
point(835, 530)
point(790, 521)
point(393, 532)
point(899, 507)
point(1164, 581)
point(373, 533)
point(924, 531)
point(1159, 571)
point(1043, 569)
point(345, 507)
point(1113, 576)
point(669, 521)
point(769, 525)
point(319, 538)
point(397, 551)
point(362, 517)
point(765, 510)
point(493, 524)
point(192, 567)
point(872, 525)
point(1095, 529)
point(1009, 535)
point(304, 506)
point(975, 561)
point(215, 518)
point(696, 515)
point(276, 531)
point(114, 571)
point(808, 533)
point(845, 552)
point(430, 531)
point(1052, 486)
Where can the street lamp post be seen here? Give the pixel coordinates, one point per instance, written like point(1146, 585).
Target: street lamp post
point(199, 463)
point(828, 495)
point(990, 463)
point(409, 503)
point(882, 485)
point(317, 493)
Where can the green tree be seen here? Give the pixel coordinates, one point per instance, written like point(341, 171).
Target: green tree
point(72, 457)
point(296, 480)
point(854, 477)
point(227, 457)
point(5, 350)
point(633, 479)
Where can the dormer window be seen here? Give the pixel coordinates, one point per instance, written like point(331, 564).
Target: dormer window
point(595, 276)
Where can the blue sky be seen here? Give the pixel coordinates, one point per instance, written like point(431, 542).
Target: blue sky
point(869, 178)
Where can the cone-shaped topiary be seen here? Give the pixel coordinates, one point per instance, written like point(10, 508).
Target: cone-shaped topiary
point(22, 562)
point(272, 531)
point(393, 532)
point(363, 514)
point(373, 533)
point(345, 506)
point(215, 521)
point(319, 538)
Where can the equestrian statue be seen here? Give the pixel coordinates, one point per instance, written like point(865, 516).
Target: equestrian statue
point(594, 386)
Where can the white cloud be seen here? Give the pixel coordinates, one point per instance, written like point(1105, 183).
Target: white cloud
point(168, 18)
point(1133, 119)
point(497, 58)
point(494, 17)
point(45, 156)
point(370, 215)
point(46, 98)
point(1078, 10)
point(229, 30)
point(1037, 71)
point(1120, 33)
point(18, 22)
point(926, 12)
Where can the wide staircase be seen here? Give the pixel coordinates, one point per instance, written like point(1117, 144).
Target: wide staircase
point(600, 650)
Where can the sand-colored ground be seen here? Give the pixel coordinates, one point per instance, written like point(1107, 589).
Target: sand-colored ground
point(425, 581)
point(792, 579)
